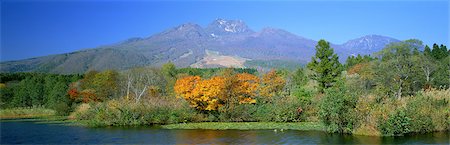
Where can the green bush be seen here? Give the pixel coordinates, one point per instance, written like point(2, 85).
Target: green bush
point(429, 111)
point(238, 113)
point(61, 109)
point(122, 112)
point(282, 109)
point(336, 110)
point(397, 124)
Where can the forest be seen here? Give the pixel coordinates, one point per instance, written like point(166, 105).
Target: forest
point(402, 89)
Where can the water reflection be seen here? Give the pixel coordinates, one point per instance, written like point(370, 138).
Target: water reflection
point(215, 136)
point(32, 133)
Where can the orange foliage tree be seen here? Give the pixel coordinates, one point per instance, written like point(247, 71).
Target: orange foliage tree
point(271, 84)
point(210, 94)
point(245, 88)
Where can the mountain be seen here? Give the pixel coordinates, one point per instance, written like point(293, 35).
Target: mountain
point(367, 44)
point(222, 43)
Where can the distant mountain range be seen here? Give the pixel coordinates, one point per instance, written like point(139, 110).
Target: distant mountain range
point(223, 43)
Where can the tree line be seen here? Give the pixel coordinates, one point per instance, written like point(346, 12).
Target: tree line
point(36, 89)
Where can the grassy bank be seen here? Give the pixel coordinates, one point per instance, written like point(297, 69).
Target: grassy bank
point(247, 125)
point(28, 112)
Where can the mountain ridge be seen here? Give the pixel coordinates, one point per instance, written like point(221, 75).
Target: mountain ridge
point(186, 44)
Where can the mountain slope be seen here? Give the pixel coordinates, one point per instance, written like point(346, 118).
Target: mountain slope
point(366, 44)
point(187, 44)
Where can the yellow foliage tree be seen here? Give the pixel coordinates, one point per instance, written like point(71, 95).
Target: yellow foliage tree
point(271, 84)
point(185, 85)
point(246, 88)
point(210, 94)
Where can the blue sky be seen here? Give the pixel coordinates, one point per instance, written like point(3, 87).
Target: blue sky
point(39, 28)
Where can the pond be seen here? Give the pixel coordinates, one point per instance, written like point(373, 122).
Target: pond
point(28, 132)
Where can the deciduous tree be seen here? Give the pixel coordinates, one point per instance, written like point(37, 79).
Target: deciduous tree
point(271, 84)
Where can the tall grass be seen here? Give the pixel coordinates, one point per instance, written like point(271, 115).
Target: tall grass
point(25, 112)
point(427, 111)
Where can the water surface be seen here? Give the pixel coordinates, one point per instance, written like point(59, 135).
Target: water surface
point(26, 132)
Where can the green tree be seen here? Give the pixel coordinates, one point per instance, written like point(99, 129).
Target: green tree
point(427, 51)
point(88, 80)
point(36, 90)
point(352, 60)
point(99, 86)
point(169, 71)
point(55, 90)
point(105, 84)
point(6, 96)
point(424, 70)
point(325, 64)
point(441, 77)
point(439, 52)
point(21, 95)
point(298, 81)
point(393, 73)
point(58, 98)
point(299, 77)
point(49, 82)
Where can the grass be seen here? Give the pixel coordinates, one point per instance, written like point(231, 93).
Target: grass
point(47, 119)
point(32, 112)
point(247, 125)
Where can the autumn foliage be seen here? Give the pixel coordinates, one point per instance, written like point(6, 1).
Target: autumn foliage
point(271, 84)
point(94, 87)
point(245, 88)
point(210, 94)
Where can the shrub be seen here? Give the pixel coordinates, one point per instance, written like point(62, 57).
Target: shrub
point(337, 110)
point(80, 112)
point(61, 108)
point(397, 124)
point(282, 109)
point(429, 111)
point(238, 113)
point(123, 112)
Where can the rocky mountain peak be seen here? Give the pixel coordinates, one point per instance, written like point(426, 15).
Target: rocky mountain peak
point(223, 26)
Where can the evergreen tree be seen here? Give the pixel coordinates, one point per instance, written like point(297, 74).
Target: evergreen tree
point(21, 94)
point(444, 51)
point(325, 64)
point(36, 89)
point(427, 51)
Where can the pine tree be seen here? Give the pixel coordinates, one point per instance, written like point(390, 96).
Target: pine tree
point(443, 51)
point(325, 64)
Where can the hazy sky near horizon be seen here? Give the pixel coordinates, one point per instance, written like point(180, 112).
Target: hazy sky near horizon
point(38, 28)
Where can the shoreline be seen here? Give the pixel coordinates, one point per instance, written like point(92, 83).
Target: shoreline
point(303, 126)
